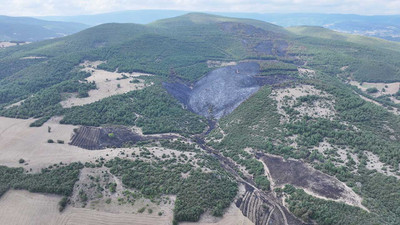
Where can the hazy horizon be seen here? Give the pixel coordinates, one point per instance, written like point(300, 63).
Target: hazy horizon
point(38, 8)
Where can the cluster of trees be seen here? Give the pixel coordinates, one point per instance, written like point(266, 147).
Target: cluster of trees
point(310, 208)
point(196, 194)
point(278, 68)
point(159, 112)
point(59, 180)
point(368, 63)
point(45, 103)
point(381, 196)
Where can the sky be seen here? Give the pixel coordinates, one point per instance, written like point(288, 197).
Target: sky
point(81, 7)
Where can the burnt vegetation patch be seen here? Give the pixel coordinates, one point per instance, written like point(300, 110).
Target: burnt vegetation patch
point(297, 173)
point(95, 138)
point(222, 90)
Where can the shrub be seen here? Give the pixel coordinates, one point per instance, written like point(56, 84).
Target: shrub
point(63, 202)
point(141, 210)
point(372, 90)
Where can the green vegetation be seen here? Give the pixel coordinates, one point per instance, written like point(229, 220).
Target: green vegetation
point(159, 112)
point(381, 196)
point(178, 50)
point(59, 181)
point(268, 68)
point(372, 90)
point(262, 182)
point(195, 194)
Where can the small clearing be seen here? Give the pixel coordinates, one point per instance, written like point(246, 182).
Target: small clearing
point(323, 107)
point(108, 84)
point(6, 44)
point(306, 72)
point(34, 57)
point(373, 163)
point(215, 64)
point(383, 88)
point(15, 104)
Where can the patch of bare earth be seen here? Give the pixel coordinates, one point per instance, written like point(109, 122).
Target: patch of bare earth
point(15, 104)
point(215, 64)
point(107, 83)
point(287, 98)
point(383, 88)
point(303, 72)
point(373, 163)
point(6, 44)
point(34, 57)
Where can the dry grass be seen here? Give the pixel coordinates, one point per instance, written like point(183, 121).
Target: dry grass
point(18, 140)
point(24, 208)
point(6, 44)
point(215, 64)
point(108, 84)
point(34, 57)
point(233, 216)
point(390, 88)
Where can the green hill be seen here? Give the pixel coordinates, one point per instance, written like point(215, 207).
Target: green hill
point(29, 29)
point(302, 102)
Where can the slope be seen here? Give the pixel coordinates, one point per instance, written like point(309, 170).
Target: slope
point(27, 29)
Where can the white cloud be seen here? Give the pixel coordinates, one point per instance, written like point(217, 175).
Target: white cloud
point(76, 7)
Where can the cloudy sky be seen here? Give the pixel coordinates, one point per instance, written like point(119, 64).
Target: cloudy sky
point(78, 7)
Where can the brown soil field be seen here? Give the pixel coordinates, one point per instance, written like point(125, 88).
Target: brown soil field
point(25, 208)
point(18, 140)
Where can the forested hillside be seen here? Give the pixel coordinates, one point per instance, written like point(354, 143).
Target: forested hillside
point(322, 106)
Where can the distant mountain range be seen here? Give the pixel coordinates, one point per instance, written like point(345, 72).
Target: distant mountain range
point(386, 27)
point(41, 28)
point(31, 29)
